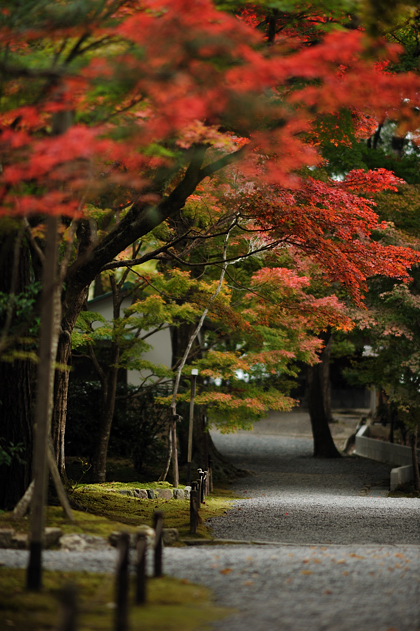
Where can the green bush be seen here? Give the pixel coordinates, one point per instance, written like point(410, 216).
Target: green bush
point(137, 429)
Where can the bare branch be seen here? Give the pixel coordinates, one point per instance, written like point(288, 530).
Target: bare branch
point(145, 257)
point(32, 241)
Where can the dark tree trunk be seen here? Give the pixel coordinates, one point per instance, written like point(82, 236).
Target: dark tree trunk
point(319, 402)
point(108, 392)
point(73, 304)
point(204, 448)
point(16, 402)
point(17, 380)
point(91, 259)
point(413, 444)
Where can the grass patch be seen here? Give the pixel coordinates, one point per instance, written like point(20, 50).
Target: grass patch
point(103, 510)
point(172, 604)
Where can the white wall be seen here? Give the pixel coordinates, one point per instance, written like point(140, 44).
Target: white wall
point(161, 351)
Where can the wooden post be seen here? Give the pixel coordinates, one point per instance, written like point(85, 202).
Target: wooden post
point(201, 475)
point(141, 548)
point(158, 526)
point(122, 583)
point(210, 475)
point(206, 484)
point(194, 373)
point(194, 507)
point(175, 472)
point(47, 353)
point(69, 608)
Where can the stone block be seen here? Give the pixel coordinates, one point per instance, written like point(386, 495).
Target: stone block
point(179, 494)
point(170, 536)
point(187, 491)
point(6, 535)
point(79, 543)
point(52, 536)
point(151, 494)
point(20, 541)
point(144, 529)
point(126, 492)
point(148, 532)
point(400, 476)
point(73, 543)
point(141, 493)
point(165, 494)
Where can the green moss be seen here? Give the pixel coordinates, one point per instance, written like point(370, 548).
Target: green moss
point(103, 511)
point(171, 604)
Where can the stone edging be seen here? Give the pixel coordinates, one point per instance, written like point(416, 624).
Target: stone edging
point(390, 453)
point(11, 539)
point(153, 494)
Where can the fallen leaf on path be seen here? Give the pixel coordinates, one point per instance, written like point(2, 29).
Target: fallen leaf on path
point(227, 570)
point(248, 583)
point(306, 572)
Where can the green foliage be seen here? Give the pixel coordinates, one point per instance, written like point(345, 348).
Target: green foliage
point(22, 305)
point(137, 425)
point(10, 452)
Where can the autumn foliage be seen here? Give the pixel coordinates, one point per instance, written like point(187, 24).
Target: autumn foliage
point(132, 117)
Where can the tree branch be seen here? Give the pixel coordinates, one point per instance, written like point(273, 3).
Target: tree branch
point(145, 257)
point(223, 162)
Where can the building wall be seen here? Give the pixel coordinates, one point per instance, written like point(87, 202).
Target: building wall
point(161, 351)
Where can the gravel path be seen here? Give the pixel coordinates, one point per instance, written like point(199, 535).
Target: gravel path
point(339, 555)
point(299, 499)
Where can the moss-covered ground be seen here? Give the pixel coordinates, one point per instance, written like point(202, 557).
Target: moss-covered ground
point(172, 605)
point(103, 510)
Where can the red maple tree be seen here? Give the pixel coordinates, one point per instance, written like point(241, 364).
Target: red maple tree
point(152, 98)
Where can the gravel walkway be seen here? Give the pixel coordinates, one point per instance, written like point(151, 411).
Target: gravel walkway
point(339, 554)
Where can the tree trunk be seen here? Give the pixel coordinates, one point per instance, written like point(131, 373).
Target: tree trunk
point(109, 391)
point(17, 381)
point(413, 444)
point(92, 256)
point(109, 379)
point(16, 401)
point(319, 402)
point(204, 448)
point(73, 304)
